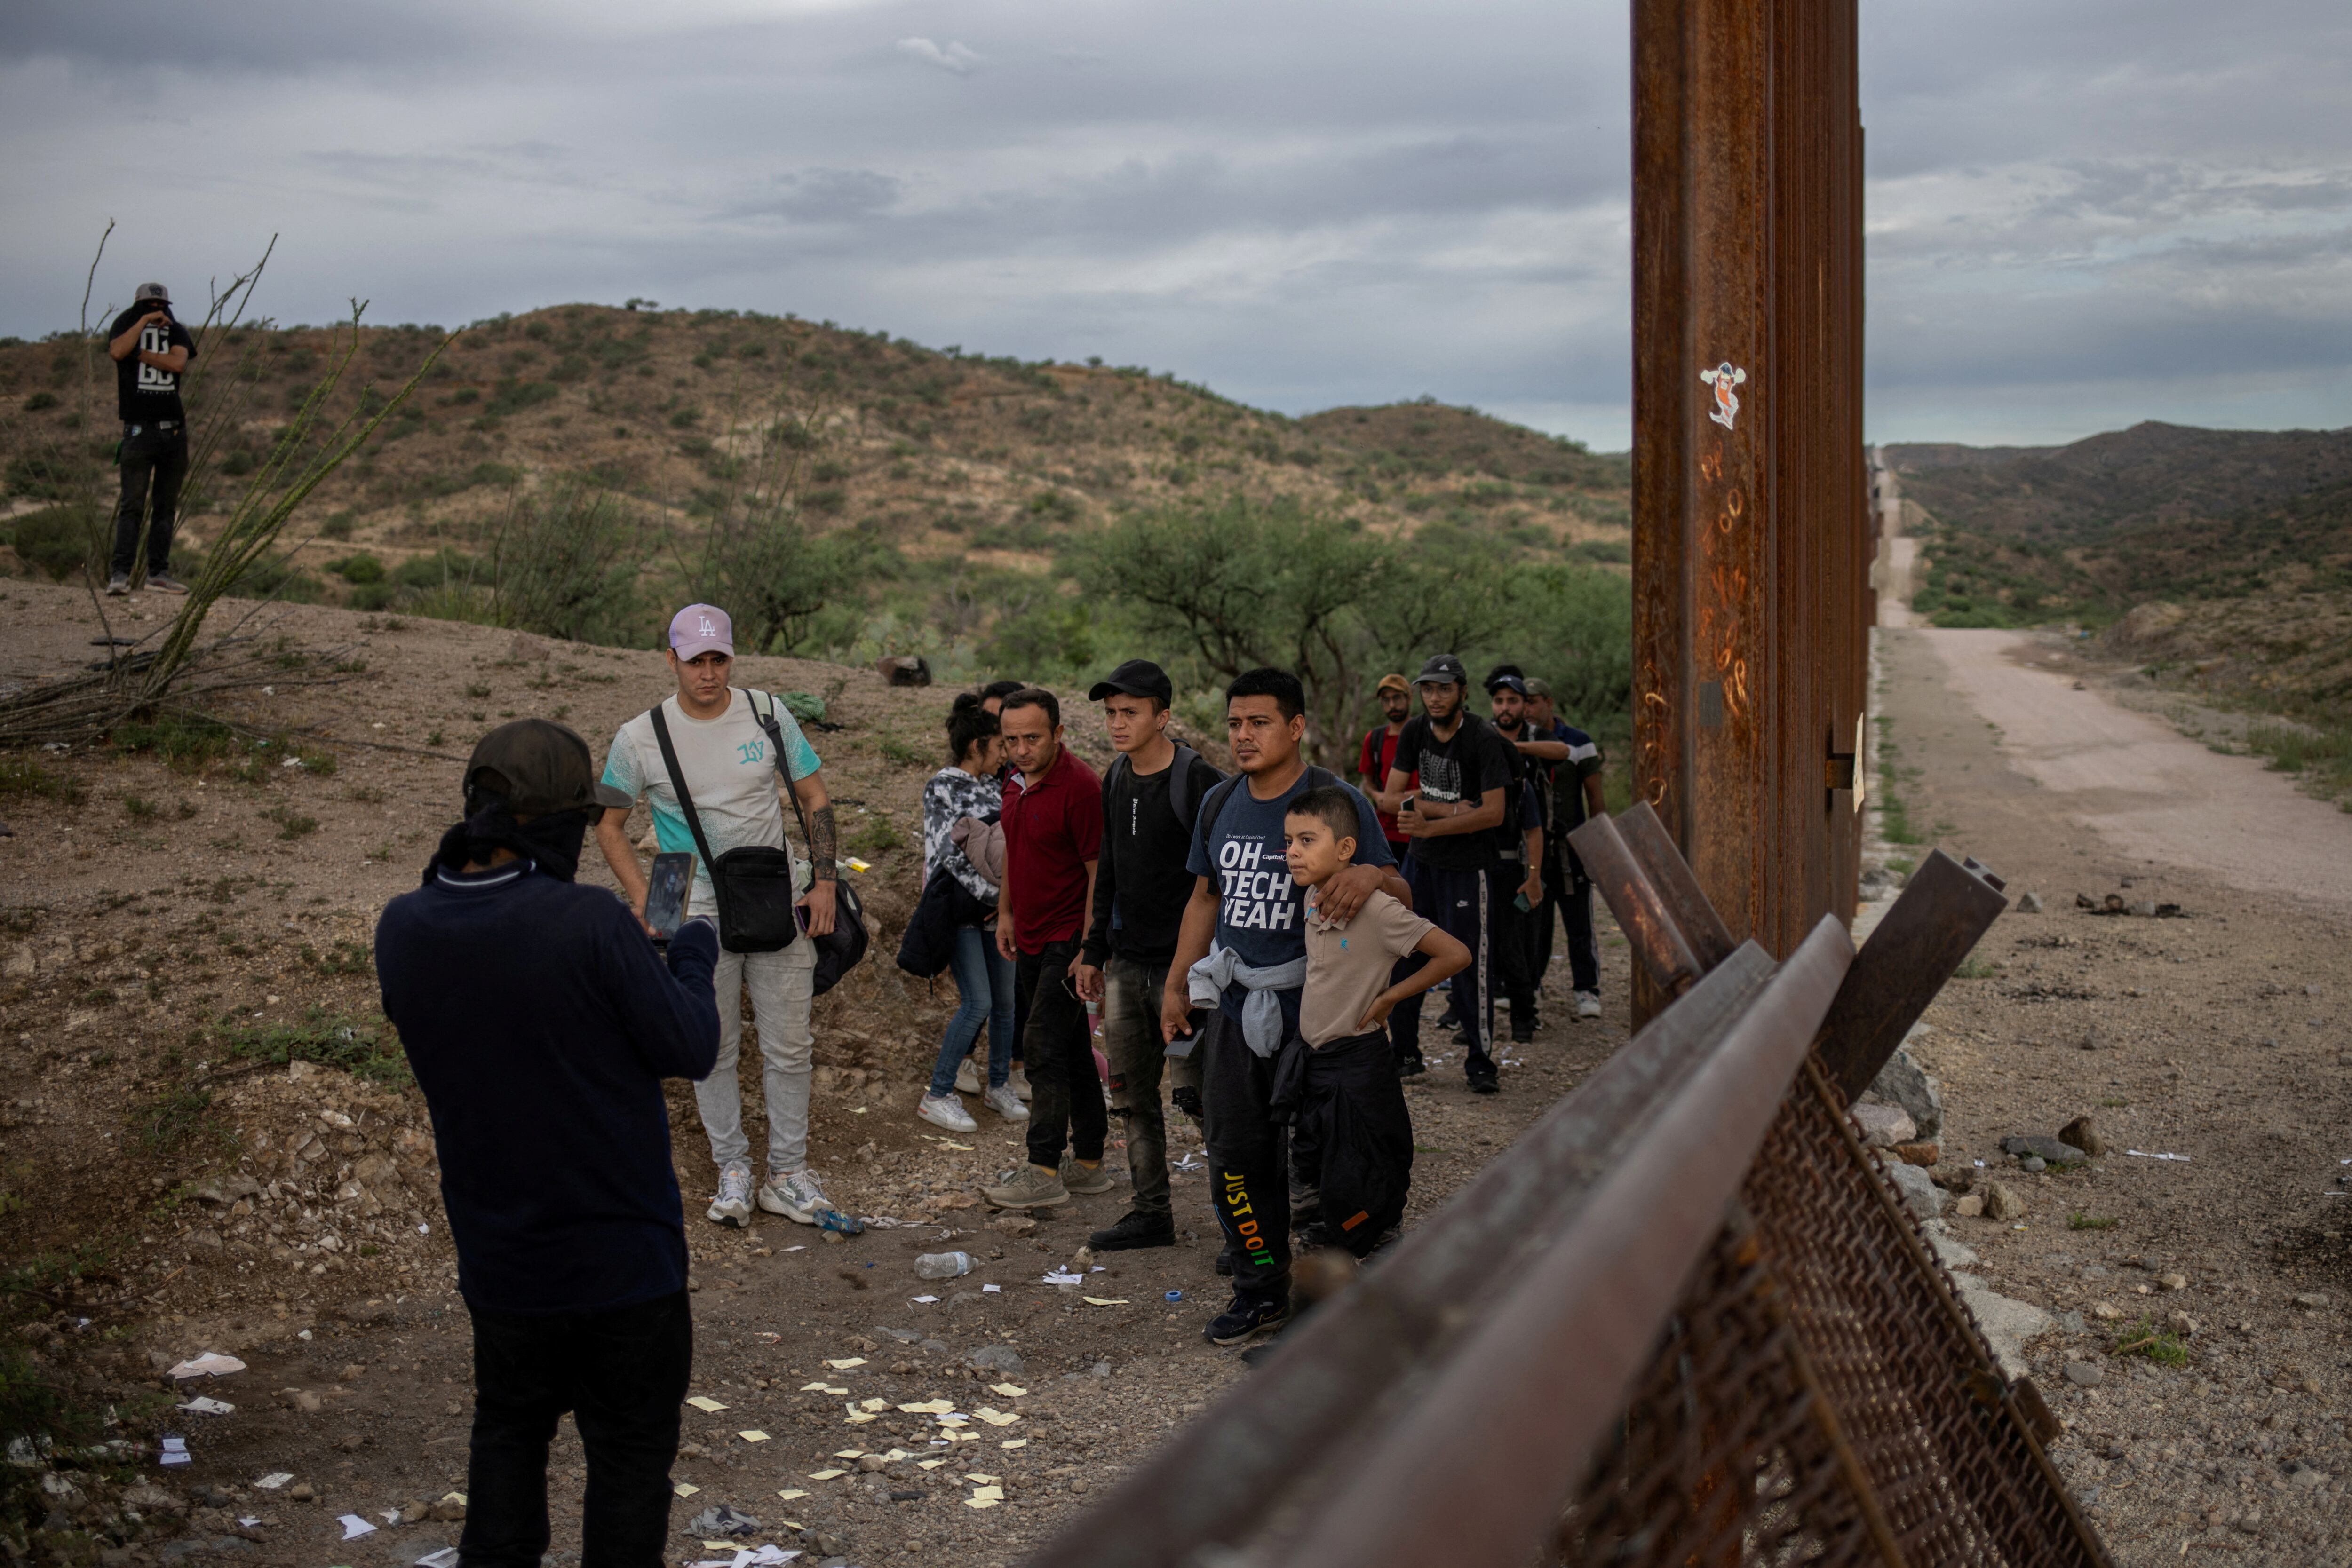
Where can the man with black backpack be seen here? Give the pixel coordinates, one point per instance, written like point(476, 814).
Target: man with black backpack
point(1151, 793)
point(708, 761)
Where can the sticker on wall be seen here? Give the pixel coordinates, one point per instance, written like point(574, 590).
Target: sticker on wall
point(1723, 378)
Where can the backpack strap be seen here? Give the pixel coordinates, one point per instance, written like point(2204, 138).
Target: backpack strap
point(1180, 783)
point(1212, 805)
point(677, 782)
point(763, 708)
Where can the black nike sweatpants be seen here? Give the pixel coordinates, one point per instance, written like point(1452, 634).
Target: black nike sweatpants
point(1459, 904)
point(1249, 1158)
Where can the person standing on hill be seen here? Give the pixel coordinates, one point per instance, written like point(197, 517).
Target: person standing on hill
point(1467, 784)
point(1575, 796)
point(1378, 751)
point(1053, 839)
point(967, 789)
point(1243, 954)
point(151, 351)
point(709, 739)
point(1151, 794)
point(1519, 894)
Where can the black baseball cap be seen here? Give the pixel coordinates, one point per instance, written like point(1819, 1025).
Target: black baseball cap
point(537, 766)
point(1506, 675)
point(1442, 669)
point(1136, 678)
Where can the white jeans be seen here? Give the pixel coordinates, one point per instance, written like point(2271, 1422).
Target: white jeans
point(781, 988)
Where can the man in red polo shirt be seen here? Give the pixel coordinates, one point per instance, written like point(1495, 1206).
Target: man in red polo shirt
point(1053, 837)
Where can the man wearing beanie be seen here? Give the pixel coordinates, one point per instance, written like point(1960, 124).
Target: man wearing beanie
point(541, 1021)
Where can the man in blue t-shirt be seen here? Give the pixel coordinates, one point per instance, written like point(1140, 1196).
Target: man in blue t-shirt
point(1245, 939)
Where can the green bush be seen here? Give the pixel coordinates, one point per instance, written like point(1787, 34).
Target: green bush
point(362, 568)
point(512, 396)
point(21, 776)
point(338, 526)
point(41, 401)
point(42, 475)
point(59, 540)
point(364, 1049)
point(185, 741)
point(568, 564)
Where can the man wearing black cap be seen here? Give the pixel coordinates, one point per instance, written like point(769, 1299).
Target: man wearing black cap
point(1151, 794)
point(150, 351)
point(541, 1021)
point(1521, 899)
point(1452, 819)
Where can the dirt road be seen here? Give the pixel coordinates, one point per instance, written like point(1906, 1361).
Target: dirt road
point(2219, 1035)
point(2146, 791)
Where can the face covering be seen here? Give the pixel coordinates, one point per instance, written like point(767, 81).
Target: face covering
point(552, 842)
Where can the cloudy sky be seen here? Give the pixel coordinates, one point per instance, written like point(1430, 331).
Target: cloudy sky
point(2081, 215)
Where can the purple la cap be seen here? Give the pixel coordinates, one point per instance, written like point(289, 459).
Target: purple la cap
point(701, 629)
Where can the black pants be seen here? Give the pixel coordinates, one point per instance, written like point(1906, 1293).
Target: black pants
point(1458, 903)
point(622, 1375)
point(1514, 973)
point(154, 462)
point(1350, 1139)
point(1065, 1098)
point(1572, 896)
point(1249, 1158)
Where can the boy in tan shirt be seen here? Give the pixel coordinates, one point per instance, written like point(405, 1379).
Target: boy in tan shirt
point(1352, 1136)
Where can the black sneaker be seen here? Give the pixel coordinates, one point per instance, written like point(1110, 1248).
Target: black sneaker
point(1485, 1083)
point(1225, 1260)
point(1134, 1229)
point(1447, 1021)
point(1246, 1320)
point(1412, 1067)
point(1187, 1099)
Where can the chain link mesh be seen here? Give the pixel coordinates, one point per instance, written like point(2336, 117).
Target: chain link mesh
point(1821, 1394)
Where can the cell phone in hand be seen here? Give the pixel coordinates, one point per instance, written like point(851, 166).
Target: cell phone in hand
point(666, 892)
point(1521, 905)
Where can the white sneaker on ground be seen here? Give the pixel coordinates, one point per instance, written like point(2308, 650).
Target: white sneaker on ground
point(733, 1206)
point(1019, 1082)
point(797, 1197)
point(947, 1111)
point(1588, 1004)
point(1005, 1103)
point(967, 1078)
point(118, 585)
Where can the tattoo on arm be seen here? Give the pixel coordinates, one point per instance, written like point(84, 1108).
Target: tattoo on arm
point(823, 848)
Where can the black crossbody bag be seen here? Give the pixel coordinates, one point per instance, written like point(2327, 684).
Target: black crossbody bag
point(753, 884)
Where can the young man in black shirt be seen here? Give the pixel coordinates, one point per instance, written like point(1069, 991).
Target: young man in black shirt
point(1521, 897)
point(150, 351)
point(1468, 791)
point(1576, 795)
point(1152, 797)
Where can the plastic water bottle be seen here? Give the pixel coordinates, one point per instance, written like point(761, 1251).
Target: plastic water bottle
point(943, 1265)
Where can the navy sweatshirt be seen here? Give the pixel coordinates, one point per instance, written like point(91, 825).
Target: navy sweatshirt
point(541, 1021)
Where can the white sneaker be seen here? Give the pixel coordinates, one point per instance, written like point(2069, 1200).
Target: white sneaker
point(967, 1078)
point(947, 1111)
point(797, 1197)
point(1005, 1103)
point(1588, 1004)
point(1019, 1082)
point(734, 1204)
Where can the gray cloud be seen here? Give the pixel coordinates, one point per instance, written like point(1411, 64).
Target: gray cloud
point(2081, 215)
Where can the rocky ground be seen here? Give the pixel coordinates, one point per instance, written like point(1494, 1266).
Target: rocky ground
point(2186, 1317)
point(211, 1146)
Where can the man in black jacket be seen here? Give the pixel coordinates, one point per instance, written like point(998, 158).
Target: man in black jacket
point(1151, 795)
point(540, 1022)
point(151, 351)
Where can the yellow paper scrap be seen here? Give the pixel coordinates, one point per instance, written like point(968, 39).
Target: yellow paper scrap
point(894, 1455)
point(792, 1524)
point(1014, 1443)
point(753, 1436)
point(1102, 1302)
point(836, 1393)
point(956, 1434)
point(685, 1489)
point(853, 863)
point(718, 1546)
point(816, 1387)
point(1008, 1390)
point(705, 1403)
point(849, 1453)
point(847, 1363)
point(876, 1405)
point(860, 1111)
point(825, 1475)
point(929, 1464)
point(976, 1479)
point(929, 1408)
point(992, 1494)
point(951, 1143)
point(858, 1420)
point(982, 1501)
point(788, 1494)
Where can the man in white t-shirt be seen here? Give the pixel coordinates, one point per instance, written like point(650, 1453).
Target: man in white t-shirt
point(731, 775)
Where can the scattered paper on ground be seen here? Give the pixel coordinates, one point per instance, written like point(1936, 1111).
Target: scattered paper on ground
point(1008, 1390)
point(274, 1480)
point(976, 1479)
point(753, 1436)
point(995, 1417)
point(703, 1402)
point(789, 1493)
point(445, 1558)
point(874, 1405)
point(212, 1363)
point(1064, 1277)
point(2144, 1155)
point(993, 1290)
point(929, 1464)
point(204, 1406)
point(825, 1475)
point(924, 1301)
point(977, 1501)
point(849, 1453)
point(1103, 1301)
point(927, 1407)
point(1014, 1443)
point(685, 1489)
point(354, 1526)
point(859, 1419)
point(847, 1363)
